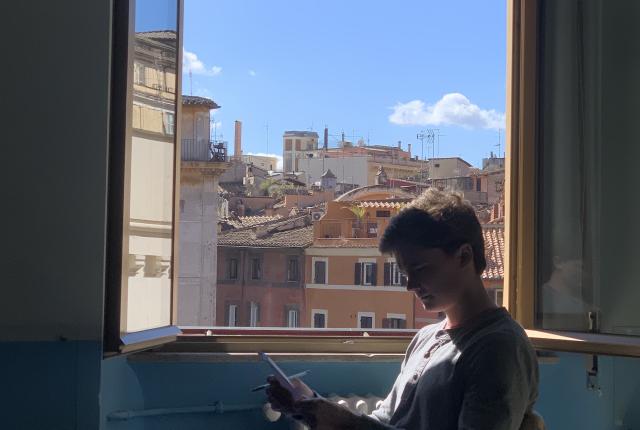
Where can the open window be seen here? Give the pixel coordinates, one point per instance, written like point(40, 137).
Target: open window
point(142, 174)
point(571, 208)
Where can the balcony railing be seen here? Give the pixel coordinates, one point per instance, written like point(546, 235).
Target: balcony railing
point(203, 150)
point(347, 229)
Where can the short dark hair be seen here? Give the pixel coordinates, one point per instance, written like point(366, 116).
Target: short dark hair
point(437, 219)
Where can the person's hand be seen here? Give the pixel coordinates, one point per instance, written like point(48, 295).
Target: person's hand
point(321, 414)
point(282, 399)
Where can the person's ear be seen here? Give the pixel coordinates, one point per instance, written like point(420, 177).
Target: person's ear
point(466, 255)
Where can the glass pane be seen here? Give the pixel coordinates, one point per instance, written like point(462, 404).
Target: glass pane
point(590, 94)
point(152, 147)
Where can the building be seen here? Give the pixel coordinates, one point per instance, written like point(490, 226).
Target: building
point(494, 162)
point(298, 145)
point(359, 164)
point(349, 283)
point(263, 162)
point(450, 167)
point(261, 276)
point(202, 163)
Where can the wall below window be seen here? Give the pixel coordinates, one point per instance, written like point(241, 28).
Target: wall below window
point(564, 401)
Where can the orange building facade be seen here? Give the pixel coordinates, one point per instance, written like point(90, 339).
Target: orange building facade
point(350, 284)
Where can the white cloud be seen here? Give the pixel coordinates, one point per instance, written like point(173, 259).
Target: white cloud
point(263, 154)
point(451, 109)
point(252, 72)
point(216, 125)
point(191, 62)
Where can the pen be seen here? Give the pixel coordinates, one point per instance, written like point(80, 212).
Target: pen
point(295, 375)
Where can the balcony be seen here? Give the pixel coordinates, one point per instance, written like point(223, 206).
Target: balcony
point(347, 232)
point(202, 150)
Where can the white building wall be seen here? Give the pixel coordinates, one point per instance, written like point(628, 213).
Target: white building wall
point(198, 251)
point(351, 170)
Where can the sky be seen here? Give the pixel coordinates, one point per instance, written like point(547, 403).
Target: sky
point(378, 70)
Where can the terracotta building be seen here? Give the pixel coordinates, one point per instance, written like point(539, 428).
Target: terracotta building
point(351, 285)
point(261, 273)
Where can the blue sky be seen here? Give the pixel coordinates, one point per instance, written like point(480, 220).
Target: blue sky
point(380, 69)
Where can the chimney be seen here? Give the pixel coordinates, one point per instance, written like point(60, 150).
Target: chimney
point(237, 148)
point(399, 144)
point(326, 138)
point(409, 150)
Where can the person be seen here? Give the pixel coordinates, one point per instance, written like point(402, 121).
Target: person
point(476, 369)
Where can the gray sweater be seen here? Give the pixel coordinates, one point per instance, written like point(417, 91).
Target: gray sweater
point(481, 376)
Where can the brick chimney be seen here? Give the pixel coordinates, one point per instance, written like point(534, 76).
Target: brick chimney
point(237, 141)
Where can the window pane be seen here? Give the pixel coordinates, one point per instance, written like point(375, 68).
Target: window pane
point(149, 230)
point(590, 95)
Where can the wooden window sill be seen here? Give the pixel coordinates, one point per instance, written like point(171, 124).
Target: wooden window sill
point(585, 343)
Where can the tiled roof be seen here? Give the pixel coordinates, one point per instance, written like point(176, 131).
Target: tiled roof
point(199, 101)
point(493, 251)
point(295, 232)
point(250, 221)
point(383, 204)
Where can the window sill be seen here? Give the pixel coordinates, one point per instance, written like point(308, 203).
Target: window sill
point(585, 343)
point(239, 357)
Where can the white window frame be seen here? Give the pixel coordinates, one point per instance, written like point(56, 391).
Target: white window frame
point(326, 269)
point(233, 314)
point(367, 314)
point(395, 272)
point(293, 315)
point(253, 314)
point(363, 267)
point(321, 312)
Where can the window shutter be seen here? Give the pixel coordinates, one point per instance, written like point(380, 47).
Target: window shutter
point(386, 323)
point(358, 274)
point(387, 273)
point(403, 323)
point(374, 277)
point(403, 280)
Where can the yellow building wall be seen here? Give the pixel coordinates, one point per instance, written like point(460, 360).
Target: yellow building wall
point(343, 306)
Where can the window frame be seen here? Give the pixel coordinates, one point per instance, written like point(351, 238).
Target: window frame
point(296, 312)
point(325, 260)
point(367, 314)
point(115, 340)
point(324, 312)
point(522, 114)
point(296, 263)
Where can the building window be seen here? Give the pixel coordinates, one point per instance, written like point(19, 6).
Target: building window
point(169, 123)
point(319, 318)
point(292, 270)
point(232, 316)
point(372, 229)
point(392, 274)
point(319, 271)
point(287, 144)
point(254, 314)
point(366, 320)
point(365, 273)
point(298, 147)
point(293, 318)
point(233, 268)
point(256, 268)
point(383, 214)
point(395, 321)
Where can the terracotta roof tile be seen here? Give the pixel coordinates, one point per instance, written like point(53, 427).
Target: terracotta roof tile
point(295, 232)
point(494, 252)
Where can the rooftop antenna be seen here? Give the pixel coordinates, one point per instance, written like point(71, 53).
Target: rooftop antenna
point(499, 144)
point(190, 82)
